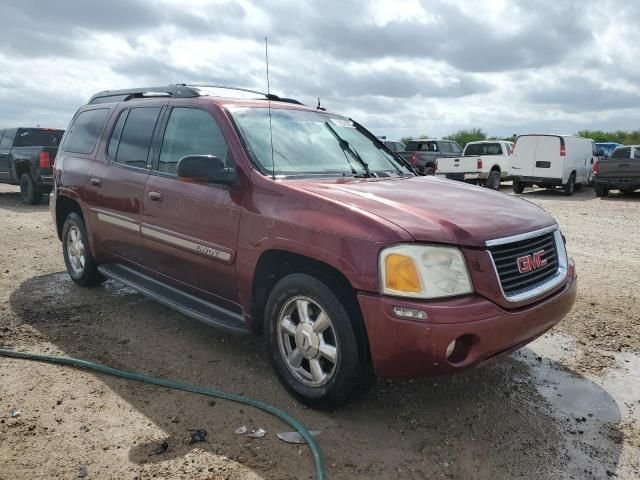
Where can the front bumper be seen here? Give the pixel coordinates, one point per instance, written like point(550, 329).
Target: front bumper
point(402, 348)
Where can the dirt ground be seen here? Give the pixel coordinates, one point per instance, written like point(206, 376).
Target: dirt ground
point(566, 406)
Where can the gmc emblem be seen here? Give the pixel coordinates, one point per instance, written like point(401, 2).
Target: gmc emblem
point(531, 262)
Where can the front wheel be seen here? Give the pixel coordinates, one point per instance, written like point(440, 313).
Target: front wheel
point(77, 256)
point(316, 347)
point(518, 186)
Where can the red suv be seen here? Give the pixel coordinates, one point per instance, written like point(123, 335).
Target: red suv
point(261, 215)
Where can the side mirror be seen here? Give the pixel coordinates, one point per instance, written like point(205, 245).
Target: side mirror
point(601, 153)
point(205, 169)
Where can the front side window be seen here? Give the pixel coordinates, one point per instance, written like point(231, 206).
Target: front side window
point(621, 153)
point(191, 131)
point(85, 130)
point(445, 147)
point(637, 153)
point(455, 148)
point(301, 142)
point(135, 137)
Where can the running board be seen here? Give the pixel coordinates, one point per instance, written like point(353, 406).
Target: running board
point(185, 303)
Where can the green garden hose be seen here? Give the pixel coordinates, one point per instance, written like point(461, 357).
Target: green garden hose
point(212, 392)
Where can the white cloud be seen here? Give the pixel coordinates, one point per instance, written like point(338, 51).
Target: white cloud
point(399, 67)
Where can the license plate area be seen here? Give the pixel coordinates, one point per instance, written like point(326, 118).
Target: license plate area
point(543, 164)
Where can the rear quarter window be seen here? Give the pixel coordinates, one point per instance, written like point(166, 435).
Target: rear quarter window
point(85, 130)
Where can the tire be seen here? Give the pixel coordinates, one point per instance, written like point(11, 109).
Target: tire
point(518, 186)
point(81, 266)
point(601, 190)
point(493, 181)
point(333, 383)
point(429, 171)
point(570, 186)
point(29, 190)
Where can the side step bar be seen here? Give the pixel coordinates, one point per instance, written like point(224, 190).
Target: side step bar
point(185, 303)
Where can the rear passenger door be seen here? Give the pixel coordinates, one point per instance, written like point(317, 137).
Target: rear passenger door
point(117, 182)
point(190, 230)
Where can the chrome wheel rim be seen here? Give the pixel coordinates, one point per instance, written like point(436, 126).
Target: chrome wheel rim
point(307, 341)
point(75, 249)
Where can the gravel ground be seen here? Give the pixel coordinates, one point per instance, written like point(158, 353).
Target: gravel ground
point(567, 406)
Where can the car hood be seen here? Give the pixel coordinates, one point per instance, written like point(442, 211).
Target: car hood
point(435, 210)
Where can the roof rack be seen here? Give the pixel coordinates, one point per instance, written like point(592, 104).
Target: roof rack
point(180, 90)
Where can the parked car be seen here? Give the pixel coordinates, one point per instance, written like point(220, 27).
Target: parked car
point(605, 149)
point(550, 161)
point(394, 146)
point(621, 171)
point(485, 162)
point(26, 157)
point(306, 229)
point(422, 154)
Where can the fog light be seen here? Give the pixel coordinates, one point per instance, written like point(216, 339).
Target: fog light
point(450, 349)
point(405, 312)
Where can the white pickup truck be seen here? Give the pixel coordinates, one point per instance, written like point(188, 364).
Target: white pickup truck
point(486, 162)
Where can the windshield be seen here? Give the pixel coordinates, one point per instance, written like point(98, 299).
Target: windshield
point(34, 137)
point(313, 143)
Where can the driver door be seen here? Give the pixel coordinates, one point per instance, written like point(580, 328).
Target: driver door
point(190, 230)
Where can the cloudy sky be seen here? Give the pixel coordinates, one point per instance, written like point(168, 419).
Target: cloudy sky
point(401, 67)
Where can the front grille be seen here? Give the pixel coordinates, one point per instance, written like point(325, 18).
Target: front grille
point(505, 258)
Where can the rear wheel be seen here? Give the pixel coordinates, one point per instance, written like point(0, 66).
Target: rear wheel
point(29, 190)
point(429, 171)
point(518, 186)
point(315, 346)
point(77, 256)
point(601, 190)
point(493, 181)
point(570, 186)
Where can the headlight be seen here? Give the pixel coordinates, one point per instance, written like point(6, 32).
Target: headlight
point(423, 271)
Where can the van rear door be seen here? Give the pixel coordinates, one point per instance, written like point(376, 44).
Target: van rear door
point(548, 162)
point(524, 156)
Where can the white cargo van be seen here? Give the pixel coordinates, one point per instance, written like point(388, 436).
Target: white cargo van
point(550, 161)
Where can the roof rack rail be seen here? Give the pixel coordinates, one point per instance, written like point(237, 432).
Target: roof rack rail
point(180, 90)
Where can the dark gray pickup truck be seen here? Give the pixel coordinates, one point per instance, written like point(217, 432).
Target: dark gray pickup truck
point(26, 159)
point(620, 171)
point(422, 153)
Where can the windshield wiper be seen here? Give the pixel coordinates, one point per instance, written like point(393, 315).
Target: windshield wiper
point(346, 146)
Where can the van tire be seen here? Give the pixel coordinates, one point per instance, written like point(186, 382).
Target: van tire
point(352, 374)
point(29, 190)
point(601, 191)
point(518, 186)
point(570, 186)
point(493, 181)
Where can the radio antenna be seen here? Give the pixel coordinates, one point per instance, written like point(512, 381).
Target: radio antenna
point(266, 57)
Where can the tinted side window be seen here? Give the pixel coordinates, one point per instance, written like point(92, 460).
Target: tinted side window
point(191, 132)
point(445, 147)
point(637, 153)
point(135, 140)
point(7, 139)
point(621, 153)
point(112, 149)
point(399, 146)
point(85, 130)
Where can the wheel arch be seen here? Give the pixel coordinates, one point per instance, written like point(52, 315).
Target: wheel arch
point(64, 206)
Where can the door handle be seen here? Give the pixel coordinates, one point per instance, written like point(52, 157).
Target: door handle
point(96, 182)
point(155, 196)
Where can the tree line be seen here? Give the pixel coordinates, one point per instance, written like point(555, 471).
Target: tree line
point(464, 136)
